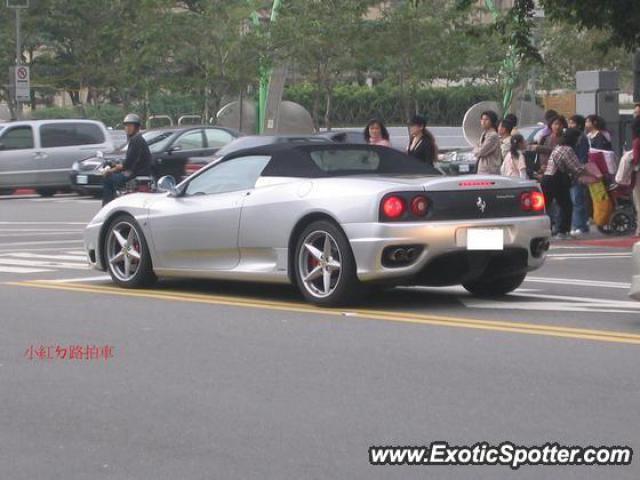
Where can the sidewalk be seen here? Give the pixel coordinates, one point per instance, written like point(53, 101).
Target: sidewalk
point(597, 239)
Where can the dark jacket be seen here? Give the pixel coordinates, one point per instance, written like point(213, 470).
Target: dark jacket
point(582, 149)
point(138, 160)
point(424, 151)
point(600, 142)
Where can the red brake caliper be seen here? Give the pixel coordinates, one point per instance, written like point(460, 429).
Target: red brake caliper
point(136, 246)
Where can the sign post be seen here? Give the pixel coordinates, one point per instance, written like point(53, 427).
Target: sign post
point(20, 75)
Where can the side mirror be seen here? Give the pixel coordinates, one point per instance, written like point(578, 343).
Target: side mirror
point(175, 148)
point(168, 184)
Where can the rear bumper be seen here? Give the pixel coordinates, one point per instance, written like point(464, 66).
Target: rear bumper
point(635, 279)
point(438, 240)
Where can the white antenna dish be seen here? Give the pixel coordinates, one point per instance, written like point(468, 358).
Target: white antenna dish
point(471, 128)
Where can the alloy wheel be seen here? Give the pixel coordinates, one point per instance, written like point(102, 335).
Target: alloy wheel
point(124, 251)
point(320, 264)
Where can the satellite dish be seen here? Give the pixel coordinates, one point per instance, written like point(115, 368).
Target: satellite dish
point(230, 116)
point(293, 119)
point(471, 128)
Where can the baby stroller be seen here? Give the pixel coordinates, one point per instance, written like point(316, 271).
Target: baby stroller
point(622, 220)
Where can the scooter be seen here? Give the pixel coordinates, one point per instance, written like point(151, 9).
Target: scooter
point(145, 184)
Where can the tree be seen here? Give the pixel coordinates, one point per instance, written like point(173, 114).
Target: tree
point(618, 21)
point(322, 37)
point(214, 50)
point(7, 55)
point(566, 49)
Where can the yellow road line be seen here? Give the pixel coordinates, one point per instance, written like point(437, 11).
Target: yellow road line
point(402, 317)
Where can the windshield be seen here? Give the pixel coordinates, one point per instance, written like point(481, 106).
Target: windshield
point(258, 141)
point(242, 143)
point(156, 139)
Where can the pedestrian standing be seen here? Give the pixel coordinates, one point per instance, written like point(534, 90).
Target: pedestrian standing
point(422, 144)
point(547, 143)
point(505, 130)
point(514, 164)
point(598, 136)
point(375, 133)
point(545, 131)
point(513, 120)
point(579, 192)
point(562, 168)
point(635, 132)
point(487, 152)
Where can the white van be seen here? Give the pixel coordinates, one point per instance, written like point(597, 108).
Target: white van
point(39, 154)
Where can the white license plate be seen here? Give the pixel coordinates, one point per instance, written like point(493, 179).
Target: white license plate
point(485, 239)
point(463, 168)
point(82, 179)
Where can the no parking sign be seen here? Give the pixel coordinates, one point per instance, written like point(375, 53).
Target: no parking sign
point(22, 79)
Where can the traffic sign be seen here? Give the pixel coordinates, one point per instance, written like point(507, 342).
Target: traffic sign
point(22, 83)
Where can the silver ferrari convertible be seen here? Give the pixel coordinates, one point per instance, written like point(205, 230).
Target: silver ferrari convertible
point(331, 220)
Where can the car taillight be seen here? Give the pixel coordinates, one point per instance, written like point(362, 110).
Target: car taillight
point(532, 201)
point(192, 168)
point(393, 207)
point(419, 206)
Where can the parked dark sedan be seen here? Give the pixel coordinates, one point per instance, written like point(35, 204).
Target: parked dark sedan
point(171, 148)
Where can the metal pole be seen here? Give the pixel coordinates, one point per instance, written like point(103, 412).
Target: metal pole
point(18, 59)
point(265, 74)
point(18, 39)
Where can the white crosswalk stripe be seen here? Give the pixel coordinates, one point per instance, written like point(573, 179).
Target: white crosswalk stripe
point(29, 262)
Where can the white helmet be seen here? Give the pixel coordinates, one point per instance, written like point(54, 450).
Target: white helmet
point(132, 118)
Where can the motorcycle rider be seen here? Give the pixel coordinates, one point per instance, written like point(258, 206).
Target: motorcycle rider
point(138, 161)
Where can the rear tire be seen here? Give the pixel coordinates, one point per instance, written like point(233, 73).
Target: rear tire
point(324, 266)
point(127, 255)
point(496, 287)
point(46, 192)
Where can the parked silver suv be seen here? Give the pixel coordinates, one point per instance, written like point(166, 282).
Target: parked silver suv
point(39, 154)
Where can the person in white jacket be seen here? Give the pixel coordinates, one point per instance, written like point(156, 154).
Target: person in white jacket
point(487, 152)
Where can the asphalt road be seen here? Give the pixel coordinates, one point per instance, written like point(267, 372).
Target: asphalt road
point(212, 380)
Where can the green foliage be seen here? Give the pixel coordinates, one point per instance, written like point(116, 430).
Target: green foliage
point(110, 115)
point(189, 56)
point(354, 105)
point(567, 49)
point(618, 20)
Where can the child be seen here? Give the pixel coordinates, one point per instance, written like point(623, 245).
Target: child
point(514, 164)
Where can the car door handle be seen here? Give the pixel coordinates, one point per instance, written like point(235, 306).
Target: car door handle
point(40, 155)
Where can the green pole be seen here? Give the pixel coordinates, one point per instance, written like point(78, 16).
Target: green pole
point(265, 74)
point(509, 66)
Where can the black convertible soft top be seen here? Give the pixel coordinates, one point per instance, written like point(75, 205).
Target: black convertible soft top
point(334, 160)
